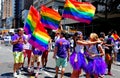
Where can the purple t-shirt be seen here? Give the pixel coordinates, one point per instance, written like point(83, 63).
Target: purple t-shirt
point(19, 46)
point(37, 52)
point(62, 44)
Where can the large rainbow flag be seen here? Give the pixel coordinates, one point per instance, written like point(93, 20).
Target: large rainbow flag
point(31, 20)
point(40, 37)
point(79, 11)
point(50, 18)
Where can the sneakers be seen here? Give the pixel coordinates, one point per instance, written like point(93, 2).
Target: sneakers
point(19, 72)
point(36, 75)
point(28, 70)
point(110, 74)
point(15, 74)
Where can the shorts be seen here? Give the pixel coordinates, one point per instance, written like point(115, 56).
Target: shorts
point(18, 57)
point(61, 62)
point(36, 58)
point(27, 53)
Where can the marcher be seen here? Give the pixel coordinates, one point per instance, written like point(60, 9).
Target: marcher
point(96, 65)
point(115, 48)
point(17, 40)
point(77, 58)
point(61, 54)
point(108, 52)
point(36, 57)
point(27, 51)
point(45, 55)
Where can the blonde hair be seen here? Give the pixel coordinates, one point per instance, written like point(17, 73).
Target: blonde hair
point(94, 37)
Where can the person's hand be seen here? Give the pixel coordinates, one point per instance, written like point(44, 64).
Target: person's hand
point(54, 57)
point(99, 41)
point(93, 55)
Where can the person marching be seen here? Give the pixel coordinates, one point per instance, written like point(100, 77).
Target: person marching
point(109, 44)
point(36, 57)
point(96, 65)
point(27, 51)
point(45, 55)
point(61, 54)
point(77, 58)
point(17, 40)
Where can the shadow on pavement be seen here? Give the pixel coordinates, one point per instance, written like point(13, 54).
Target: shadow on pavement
point(48, 77)
point(67, 74)
point(49, 69)
point(7, 75)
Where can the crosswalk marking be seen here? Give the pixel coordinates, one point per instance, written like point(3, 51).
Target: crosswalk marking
point(48, 74)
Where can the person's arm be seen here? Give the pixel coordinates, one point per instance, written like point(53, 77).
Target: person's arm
point(68, 54)
point(88, 42)
point(55, 52)
point(15, 41)
point(102, 52)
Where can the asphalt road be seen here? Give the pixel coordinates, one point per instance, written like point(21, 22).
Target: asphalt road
point(6, 66)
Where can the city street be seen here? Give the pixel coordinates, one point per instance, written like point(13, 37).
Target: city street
point(6, 66)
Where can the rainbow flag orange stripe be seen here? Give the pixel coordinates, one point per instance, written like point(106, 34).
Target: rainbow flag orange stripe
point(40, 37)
point(50, 18)
point(31, 20)
point(115, 37)
point(80, 11)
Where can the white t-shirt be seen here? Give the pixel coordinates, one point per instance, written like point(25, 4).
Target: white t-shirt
point(27, 45)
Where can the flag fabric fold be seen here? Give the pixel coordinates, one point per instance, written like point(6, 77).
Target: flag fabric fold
point(79, 11)
point(40, 37)
point(115, 37)
point(50, 18)
point(31, 20)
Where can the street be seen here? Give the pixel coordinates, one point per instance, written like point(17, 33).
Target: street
point(6, 66)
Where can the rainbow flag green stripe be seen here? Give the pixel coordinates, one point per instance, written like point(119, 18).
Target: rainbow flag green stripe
point(80, 11)
point(31, 20)
point(50, 18)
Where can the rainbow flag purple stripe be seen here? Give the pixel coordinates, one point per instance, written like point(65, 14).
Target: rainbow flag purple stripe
point(40, 37)
point(79, 11)
point(50, 18)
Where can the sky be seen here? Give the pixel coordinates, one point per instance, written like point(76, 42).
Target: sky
point(0, 4)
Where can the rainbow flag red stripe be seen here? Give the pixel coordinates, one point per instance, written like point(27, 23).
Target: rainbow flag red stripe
point(40, 37)
point(115, 37)
point(50, 18)
point(31, 20)
point(79, 11)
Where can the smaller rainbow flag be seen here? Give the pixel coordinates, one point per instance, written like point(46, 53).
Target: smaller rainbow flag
point(31, 20)
point(79, 11)
point(50, 18)
point(115, 37)
point(40, 37)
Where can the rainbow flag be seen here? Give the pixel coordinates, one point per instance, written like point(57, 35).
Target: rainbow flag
point(50, 18)
point(31, 20)
point(40, 38)
point(79, 11)
point(115, 37)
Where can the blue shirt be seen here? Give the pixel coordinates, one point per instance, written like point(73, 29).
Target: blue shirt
point(63, 45)
point(37, 52)
point(19, 46)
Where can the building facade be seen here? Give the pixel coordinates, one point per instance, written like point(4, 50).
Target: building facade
point(25, 9)
point(107, 15)
point(7, 8)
